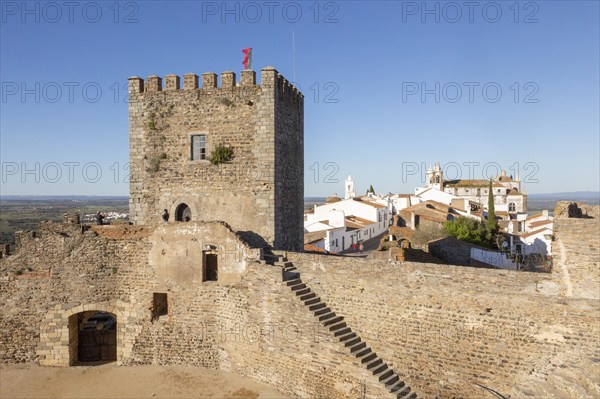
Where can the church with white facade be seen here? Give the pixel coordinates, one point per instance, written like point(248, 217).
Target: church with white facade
point(509, 199)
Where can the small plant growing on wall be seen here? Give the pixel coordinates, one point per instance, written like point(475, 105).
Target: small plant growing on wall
point(226, 101)
point(153, 165)
point(222, 153)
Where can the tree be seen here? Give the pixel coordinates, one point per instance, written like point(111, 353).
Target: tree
point(492, 223)
point(426, 232)
point(371, 190)
point(468, 229)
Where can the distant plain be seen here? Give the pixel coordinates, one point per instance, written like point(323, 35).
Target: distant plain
point(26, 212)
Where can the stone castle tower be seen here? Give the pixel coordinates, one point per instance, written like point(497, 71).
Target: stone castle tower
point(174, 130)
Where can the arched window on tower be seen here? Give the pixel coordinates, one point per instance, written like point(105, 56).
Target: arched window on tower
point(512, 207)
point(437, 179)
point(183, 213)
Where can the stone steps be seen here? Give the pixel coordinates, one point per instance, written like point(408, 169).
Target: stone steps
point(340, 329)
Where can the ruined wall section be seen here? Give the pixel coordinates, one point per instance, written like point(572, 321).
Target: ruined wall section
point(447, 328)
point(577, 239)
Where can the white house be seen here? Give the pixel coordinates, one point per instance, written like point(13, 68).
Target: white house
point(348, 221)
point(532, 235)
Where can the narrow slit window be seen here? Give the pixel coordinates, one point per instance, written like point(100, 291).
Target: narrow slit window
point(198, 147)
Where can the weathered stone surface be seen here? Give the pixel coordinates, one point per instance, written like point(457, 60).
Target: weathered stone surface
point(260, 190)
point(445, 329)
point(566, 209)
point(248, 322)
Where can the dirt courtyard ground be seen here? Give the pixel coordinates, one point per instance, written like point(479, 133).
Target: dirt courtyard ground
point(110, 381)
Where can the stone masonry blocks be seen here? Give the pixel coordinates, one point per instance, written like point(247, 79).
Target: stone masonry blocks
point(259, 191)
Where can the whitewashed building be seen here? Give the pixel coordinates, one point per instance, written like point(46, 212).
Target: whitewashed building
point(509, 200)
point(532, 235)
point(349, 221)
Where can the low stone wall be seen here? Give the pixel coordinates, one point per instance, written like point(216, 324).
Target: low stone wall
point(451, 250)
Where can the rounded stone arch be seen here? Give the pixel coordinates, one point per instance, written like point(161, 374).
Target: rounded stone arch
point(58, 345)
point(193, 210)
point(183, 213)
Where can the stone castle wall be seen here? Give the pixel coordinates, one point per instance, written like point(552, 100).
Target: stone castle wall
point(260, 190)
point(448, 330)
point(248, 322)
point(577, 239)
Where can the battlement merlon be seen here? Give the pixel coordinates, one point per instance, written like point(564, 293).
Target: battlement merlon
point(269, 77)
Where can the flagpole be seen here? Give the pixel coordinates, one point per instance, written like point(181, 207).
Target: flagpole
point(294, 54)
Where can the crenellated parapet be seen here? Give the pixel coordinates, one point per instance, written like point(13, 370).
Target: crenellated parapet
point(209, 82)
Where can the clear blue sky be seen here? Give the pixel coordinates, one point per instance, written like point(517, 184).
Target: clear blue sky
point(369, 61)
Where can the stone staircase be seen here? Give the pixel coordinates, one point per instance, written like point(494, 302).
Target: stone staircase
point(340, 330)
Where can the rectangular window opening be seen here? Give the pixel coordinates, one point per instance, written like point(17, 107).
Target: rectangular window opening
point(211, 269)
point(198, 147)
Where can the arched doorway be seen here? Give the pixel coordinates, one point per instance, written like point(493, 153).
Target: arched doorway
point(94, 335)
point(183, 213)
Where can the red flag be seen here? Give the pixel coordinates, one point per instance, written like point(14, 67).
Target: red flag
point(247, 58)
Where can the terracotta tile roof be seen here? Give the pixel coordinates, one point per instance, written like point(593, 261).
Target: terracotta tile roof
point(540, 223)
point(359, 221)
point(431, 210)
point(353, 226)
point(534, 232)
point(314, 236)
point(498, 185)
point(368, 202)
point(402, 232)
point(536, 215)
point(467, 183)
point(506, 179)
point(312, 248)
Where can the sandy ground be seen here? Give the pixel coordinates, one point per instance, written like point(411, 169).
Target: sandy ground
point(110, 381)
